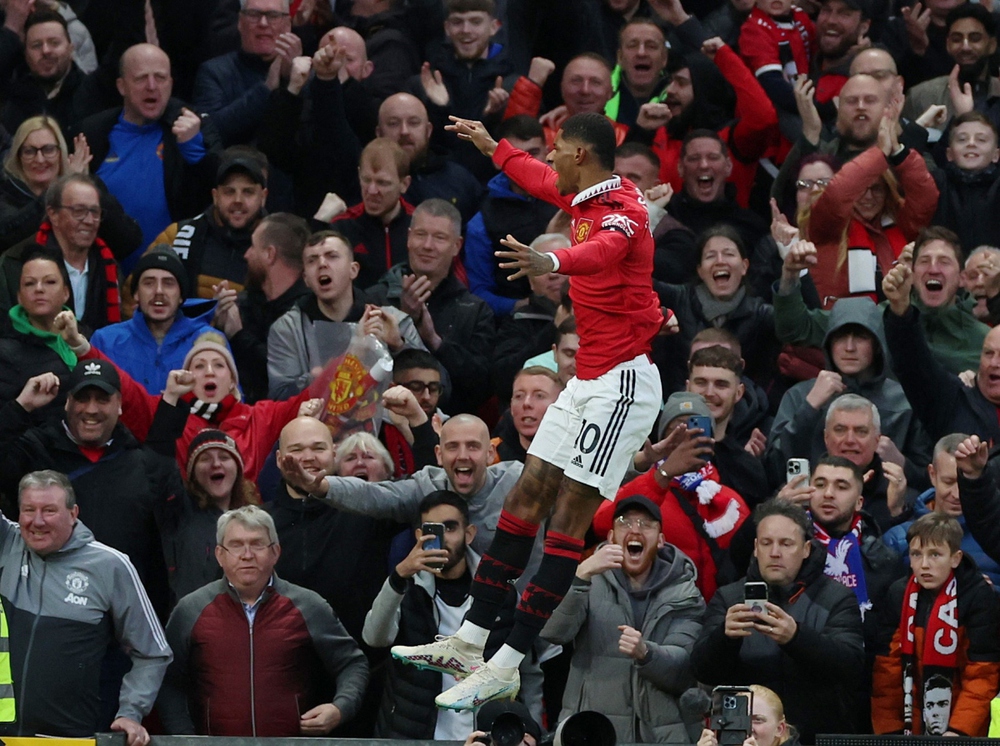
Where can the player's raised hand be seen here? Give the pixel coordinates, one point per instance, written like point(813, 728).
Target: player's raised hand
point(524, 259)
point(475, 132)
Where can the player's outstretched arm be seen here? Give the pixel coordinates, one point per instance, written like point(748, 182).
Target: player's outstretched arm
point(475, 132)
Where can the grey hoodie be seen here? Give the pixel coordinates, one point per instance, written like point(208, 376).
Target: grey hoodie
point(797, 431)
point(63, 610)
point(640, 698)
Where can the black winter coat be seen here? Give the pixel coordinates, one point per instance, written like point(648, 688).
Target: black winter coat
point(465, 325)
point(752, 322)
point(24, 356)
point(817, 673)
point(408, 709)
point(117, 495)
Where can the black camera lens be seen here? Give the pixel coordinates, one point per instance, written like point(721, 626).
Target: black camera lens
point(508, 730)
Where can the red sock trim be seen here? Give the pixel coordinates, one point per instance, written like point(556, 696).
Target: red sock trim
point(562, 545)
point(517, 526)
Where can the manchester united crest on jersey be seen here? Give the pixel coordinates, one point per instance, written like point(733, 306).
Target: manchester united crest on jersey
point(582, 231)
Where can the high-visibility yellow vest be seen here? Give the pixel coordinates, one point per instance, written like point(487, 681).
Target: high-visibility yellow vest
point(7, 710)
point(994, 718)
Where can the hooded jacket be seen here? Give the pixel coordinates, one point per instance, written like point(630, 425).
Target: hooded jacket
point(293, 349)
point(721, 517)
point(797, 431)
point(642, 698)
point(817, 673)
point(953, 335)
point(977, 658)
point(63, 611)
point(727, 100)
point(136, 351)
point(895, 538)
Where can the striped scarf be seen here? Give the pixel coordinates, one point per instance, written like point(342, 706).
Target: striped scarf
point(107, 265)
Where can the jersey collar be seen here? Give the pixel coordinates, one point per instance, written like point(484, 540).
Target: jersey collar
point(608, 185)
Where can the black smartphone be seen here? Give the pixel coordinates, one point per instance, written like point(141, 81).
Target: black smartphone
point(755, 595)
point(701, 422)
point(437, 531)
point(732, 714)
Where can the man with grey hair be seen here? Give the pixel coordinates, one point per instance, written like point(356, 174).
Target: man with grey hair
point(256, 655)
point(852, 431)
point(456, 326)
point(67, 597)
point(234, 88)
point(73, 216)
point(944, 496)
point(982, 270)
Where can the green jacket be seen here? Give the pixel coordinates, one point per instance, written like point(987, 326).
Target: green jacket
point(954, 335)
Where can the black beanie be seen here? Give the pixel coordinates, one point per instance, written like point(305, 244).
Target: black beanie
point(163, 258)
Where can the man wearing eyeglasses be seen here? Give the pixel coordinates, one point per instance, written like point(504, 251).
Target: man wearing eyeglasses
point(633, 614)
point(233, 88)
point(255, 654)
point(73, 219)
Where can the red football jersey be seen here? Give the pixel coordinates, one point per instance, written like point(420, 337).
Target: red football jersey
point(610, 264)
point(787, 47)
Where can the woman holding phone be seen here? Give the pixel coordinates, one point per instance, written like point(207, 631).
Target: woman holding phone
point(769, 727)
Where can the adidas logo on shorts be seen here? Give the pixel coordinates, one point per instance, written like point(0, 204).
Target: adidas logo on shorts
point(577, 461)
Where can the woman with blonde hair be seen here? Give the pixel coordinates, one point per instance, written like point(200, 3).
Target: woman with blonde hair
point(38, 156)
point(769, 727)
point(876, 204)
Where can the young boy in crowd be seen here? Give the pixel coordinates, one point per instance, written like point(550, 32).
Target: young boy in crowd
point(778, 42)
point(938, 652)
point(969, 184)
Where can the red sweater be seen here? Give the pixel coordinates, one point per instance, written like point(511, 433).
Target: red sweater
point(610, 264)
point(834, 213)
point(769, 45)
point(254, 428)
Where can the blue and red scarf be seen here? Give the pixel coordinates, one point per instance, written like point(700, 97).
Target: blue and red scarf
point(844, 562)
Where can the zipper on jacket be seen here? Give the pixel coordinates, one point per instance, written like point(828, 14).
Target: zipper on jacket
point(253, 694)
point(31, 642)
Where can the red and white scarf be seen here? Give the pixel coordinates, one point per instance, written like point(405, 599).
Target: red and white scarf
point(939, 656)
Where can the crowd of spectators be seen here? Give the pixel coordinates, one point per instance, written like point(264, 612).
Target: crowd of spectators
point(203, 203)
